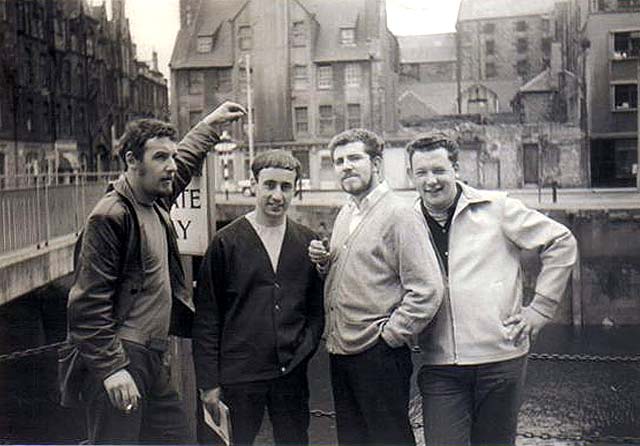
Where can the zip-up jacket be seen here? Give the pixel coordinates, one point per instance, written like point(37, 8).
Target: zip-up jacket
point(487, 234)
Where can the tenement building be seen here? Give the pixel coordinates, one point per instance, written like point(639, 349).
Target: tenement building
point(311, 68)
point(610, 44)
point(68, 84)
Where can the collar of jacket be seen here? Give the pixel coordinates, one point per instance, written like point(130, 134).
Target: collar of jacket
point(470, 195)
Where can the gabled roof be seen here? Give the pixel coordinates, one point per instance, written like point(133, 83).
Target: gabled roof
point(332, 15)
point(211, 18)
point(492, 9)
point(543, 82)
point(428, 48)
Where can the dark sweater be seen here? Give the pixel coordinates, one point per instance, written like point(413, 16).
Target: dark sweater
point(250, 323)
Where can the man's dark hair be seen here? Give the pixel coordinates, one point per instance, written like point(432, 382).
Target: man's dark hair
point(138, 132)
point(372, 142)
point(433, 141)
point(275, 158)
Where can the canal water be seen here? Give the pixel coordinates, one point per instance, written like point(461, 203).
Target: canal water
point(587, 398)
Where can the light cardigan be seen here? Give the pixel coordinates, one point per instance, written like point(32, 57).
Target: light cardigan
point(384, 279)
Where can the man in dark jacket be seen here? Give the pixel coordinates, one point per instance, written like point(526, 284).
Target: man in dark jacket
point(129, 291)
point(259, 312)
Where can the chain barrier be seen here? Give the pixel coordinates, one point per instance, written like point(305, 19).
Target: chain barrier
point(49, 348)
point(582, 357)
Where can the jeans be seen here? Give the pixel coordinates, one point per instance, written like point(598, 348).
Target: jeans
point(286, 398)
point(472, 404)
point(371, 396)
point(160, 418)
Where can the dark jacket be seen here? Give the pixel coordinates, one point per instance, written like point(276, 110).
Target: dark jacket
point(109, 270)
point(251, 323)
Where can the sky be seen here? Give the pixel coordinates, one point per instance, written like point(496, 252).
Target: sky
point(154, 23)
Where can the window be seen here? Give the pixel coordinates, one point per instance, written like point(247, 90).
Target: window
point(300, 77)
point(410, 70)
point(326, 121)
point(490, 70)
point(301, 116)
point(354, 116)
point(625, 97)
point(44, 67)
point(521, 25)
point(325, 77)
point(205, 44)
point(347, 36)
point(626, 45)
point(224, 80)
point(522, 67)
point(522, 45)
point(196, 81)
point(298, 34)
point(3, 9)
point(490, 47)
point(66, 76)
point(352, 75)
point(244, 38)
point(90, 46)
point(29, 116)
point(488, 28)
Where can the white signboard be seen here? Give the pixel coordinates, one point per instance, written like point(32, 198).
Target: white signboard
point(189, 216)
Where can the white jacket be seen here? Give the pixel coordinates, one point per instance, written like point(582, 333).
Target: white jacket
point(487, 234)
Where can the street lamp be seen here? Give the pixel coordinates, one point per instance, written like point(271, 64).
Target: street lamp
point(224, 148)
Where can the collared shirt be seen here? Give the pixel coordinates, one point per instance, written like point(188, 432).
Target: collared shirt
point(358, 210)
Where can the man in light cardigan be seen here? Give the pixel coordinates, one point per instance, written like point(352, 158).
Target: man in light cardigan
point(382, 288)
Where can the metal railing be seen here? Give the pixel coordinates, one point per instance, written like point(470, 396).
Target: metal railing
point(34, 209)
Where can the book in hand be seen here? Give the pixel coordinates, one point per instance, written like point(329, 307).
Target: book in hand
point(220, 424)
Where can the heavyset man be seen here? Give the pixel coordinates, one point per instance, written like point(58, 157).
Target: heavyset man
point(129, 291)
point(476, 348)
point(259, 313)
point(383, 287)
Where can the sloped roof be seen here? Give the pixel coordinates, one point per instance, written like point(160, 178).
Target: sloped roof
point(541, 83)
point(209, 21)
point(427, 48)
point(440, 97)
point(333, 15)
point(491, 9)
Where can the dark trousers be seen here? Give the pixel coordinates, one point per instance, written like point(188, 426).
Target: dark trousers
point(286, 399)
point(160, 417)
point(371, 396)
point(472, 405)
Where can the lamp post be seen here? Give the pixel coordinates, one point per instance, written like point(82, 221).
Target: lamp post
point(224, 148)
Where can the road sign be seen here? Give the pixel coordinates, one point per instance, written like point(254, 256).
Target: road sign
point(189, 216)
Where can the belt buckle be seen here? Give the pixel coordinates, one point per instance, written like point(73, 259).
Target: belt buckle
point(158, 345)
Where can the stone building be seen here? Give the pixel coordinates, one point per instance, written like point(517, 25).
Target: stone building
point(428, 84)
point(316, 67)
point(502, 44)
point(68, 84)
point(610, 62)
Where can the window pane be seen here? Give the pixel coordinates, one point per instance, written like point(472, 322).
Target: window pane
point(348, 36)
point(205, 44)
point(244, 37)
point(299, 34)
point(325, 77)
point(300, 77)
point(326, 120)
point(626, 97)
point(301, 117)
point(352, 75)
point(354, 118)
point(196, 79)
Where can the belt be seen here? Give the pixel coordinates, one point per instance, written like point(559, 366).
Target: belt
point(139, 337)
